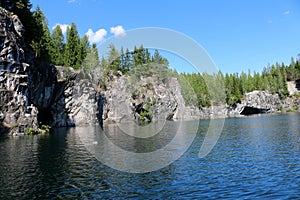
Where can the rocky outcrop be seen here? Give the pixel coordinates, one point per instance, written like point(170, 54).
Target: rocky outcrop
point(41, 93)
point(293, 87)
point(142, 101)
point(82, 104)
point(62, 99)
point(16, 113)
point(290, 104)
point(258, 102)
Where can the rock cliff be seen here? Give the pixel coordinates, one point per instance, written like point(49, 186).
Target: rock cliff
point(142, 100)
point(16, 113)
point(258, 102)
point(38, 93)
point(34, 93)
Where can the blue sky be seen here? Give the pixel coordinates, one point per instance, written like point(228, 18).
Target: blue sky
point(237, 34)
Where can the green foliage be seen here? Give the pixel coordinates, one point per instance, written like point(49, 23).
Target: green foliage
point(158, 59)
point(138, 64)
point(57, 46)
point(194, 89)
point(187, 91)
point(91, 61)
point(113, 58)
point(72, 50)
point(215, 88)
point(45, 129)
point(41, 45)
point(146, 112)
point(144, 115)
point(30, 131)
point(293, 70)
point(159, 71)
point(84, 48)
point(76, 52)
point(297, 96)
point(16, 6)
point(46, 46)
point(209, 89)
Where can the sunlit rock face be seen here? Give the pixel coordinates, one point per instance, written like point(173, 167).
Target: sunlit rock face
point(259, 102)
point(16, 114)
point(142, 101)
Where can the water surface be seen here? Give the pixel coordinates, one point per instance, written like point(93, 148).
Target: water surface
point(255, 158)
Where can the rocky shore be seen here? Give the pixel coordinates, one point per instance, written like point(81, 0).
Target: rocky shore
point(33, 93)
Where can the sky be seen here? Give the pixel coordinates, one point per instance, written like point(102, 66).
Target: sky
point(238, 35)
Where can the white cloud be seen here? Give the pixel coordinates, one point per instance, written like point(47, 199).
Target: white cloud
point(286, 12)
point(95, 37)
point(118, 31)
point(62, 26)
point(71, 1)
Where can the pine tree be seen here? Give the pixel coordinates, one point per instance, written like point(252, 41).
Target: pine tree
point(103, 64)
point(291, 70)
point(137, 57)
point(41, 46)
point(84, 49)
point(244, 83)
point(257, 81)
point(158, 59)
point(114, 58)
point(91, 61)
point(72, 50)
point(57, 46)
point(127, 60)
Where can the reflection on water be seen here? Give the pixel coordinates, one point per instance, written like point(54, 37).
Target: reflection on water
point(255, 157)
point(123, 152)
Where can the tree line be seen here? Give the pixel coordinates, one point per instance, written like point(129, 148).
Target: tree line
point(272, 79)
point(202, 89)
point(198, 89)
point(71, 51)
point(139, 61)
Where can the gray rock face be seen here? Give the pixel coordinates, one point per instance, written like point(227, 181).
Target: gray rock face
point(124, 101)
point(144, 100)
point(43, 93)
point(63, 100)
point(293, 87)
point(213, 112)
point(82, 104)
point(16, 114)
point(261, 100)
point(256, 102)
point(40, 93)
point(290, 104)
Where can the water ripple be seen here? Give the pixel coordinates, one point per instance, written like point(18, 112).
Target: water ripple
point(255, 158)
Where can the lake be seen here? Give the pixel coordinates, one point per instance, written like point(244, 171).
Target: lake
point(257, 157)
